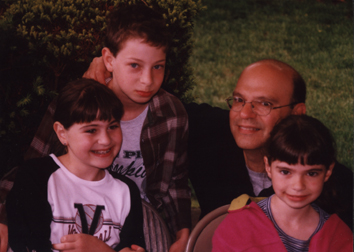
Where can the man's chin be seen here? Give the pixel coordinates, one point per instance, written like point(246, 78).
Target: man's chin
point(248, 144)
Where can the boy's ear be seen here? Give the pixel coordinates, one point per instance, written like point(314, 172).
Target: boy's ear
point(267, 167)
point(108, 59)
point(299, 109)
point(329, 171)
point(61, 133)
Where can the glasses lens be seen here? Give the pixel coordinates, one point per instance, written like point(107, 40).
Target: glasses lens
point(229, 101)
point(261, 108)
point(237, 104)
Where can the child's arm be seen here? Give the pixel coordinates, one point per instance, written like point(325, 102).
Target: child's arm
point(3, 238)
point(132, 249)
point(97, 71)
point(181, 241)
point(179, 190)
point(82, 243)
point(88, 243)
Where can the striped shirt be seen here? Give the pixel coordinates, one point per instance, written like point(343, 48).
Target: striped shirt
point(292, 244)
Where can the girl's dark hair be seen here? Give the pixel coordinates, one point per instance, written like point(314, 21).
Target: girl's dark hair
point(86, 100)
point(301, 138)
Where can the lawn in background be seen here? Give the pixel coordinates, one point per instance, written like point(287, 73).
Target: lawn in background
point(316, 38)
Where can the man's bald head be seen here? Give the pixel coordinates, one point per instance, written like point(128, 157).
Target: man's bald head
point(299, 85)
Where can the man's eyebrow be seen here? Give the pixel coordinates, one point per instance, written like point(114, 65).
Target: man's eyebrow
point(257, 98)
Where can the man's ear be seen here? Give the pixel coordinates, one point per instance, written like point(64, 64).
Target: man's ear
point(108, 59)
point(299, 109)
point(61, 133)
point(267, 166)
point(329, 171)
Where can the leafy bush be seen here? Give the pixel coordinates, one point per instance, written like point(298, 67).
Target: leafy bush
point(44, 44)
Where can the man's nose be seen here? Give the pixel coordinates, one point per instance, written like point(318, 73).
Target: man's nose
point(247, 110)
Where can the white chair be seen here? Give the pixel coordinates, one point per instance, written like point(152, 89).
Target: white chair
point(200, 239)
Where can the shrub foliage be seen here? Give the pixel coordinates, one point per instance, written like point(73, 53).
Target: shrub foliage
point(44, 44)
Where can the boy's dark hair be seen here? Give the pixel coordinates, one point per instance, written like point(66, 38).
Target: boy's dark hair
point(301, 138)
point(135, 21)
point(86, 100)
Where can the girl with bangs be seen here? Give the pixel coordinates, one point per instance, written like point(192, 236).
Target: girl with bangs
point(57, 196)
point(300, 156)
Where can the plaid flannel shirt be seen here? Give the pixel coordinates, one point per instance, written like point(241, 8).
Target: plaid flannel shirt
point(164, 149)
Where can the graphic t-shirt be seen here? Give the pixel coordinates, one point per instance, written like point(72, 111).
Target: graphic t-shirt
point(47, 202)
point(130, 162)
point(87, 198)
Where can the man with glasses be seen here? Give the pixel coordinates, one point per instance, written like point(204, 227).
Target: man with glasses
point(225, 148)
point(226, 159)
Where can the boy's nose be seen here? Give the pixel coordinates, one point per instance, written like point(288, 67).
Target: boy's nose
point(146, 77)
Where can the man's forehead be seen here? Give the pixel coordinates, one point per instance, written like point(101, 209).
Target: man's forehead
point(256, 95)
point(262, 81)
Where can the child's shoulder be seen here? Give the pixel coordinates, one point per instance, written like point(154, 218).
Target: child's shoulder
point(37, 170)
point(166, 104)
point(335, 235)
point(43, 164)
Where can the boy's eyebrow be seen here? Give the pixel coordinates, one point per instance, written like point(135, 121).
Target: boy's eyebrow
point(136, 59)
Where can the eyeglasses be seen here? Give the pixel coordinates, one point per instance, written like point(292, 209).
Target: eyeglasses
point(261, 108)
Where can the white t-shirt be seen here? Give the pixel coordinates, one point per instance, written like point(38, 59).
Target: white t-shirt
point(90, 196)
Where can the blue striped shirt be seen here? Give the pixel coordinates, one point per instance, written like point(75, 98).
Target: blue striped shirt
point(292, 244)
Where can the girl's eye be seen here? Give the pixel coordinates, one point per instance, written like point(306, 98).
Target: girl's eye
point(158, 67)
point(91, 131)
point(312, 174)
point(134, 65)
point(114, 126)
point(284, 172)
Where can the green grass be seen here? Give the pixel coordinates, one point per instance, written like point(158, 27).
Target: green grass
point(315, 38)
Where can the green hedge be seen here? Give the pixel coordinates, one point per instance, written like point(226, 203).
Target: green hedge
point(44, 44)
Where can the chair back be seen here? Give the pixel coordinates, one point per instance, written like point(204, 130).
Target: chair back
point(156, 234)
point(201, 236)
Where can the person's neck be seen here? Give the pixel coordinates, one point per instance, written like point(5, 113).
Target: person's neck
point(299, 223)
point(133, 111)
point(91, 174)
point(254, 160)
